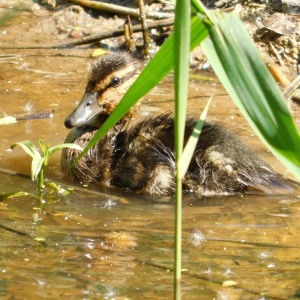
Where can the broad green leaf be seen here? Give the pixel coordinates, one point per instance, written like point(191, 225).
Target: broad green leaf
point(199, 8)
point(28, 147)
point(61, 146)
point(159, 66)
point(248, 81)
point(36, 167)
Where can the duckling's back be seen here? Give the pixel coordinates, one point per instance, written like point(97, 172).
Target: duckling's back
point(143, 159)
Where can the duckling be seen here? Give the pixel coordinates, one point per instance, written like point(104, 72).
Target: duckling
point(141, 157)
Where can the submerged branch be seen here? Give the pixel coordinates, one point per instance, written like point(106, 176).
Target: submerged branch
point(38, 240)
point(95, 38)
point(35, 116)
point(15, 231)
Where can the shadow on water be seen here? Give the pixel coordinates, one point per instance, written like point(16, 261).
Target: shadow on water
point(110, 244)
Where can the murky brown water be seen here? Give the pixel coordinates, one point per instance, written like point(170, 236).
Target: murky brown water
point(102, 244)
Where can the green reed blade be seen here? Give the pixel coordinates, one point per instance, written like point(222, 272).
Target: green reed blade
point(248, 81)
point(181, 76)
point(192, 142)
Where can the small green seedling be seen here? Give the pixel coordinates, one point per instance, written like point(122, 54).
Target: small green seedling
point(39, 162)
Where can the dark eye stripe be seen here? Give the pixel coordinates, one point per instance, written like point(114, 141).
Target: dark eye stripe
point(115, 82)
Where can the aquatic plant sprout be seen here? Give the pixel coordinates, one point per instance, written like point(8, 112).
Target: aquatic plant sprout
point(40, 161)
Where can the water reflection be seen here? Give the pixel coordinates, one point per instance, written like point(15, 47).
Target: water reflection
point(126, 249)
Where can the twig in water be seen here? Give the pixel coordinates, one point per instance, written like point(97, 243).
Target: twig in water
point(117, 9)
point(94, 38)
point(15, 231)
point(130, 45)
point(144, 28)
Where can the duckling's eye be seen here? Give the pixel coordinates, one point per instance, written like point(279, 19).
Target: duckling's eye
point(115, 81)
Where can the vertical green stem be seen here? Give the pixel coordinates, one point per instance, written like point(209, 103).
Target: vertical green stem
point(181, 68)
point(40, 182)
point(178, 236)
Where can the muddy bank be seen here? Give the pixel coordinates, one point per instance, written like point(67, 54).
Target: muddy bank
point(274, 26)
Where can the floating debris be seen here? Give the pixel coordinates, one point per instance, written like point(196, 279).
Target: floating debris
point(8, 120)
point(99, 52)
point(229, 283)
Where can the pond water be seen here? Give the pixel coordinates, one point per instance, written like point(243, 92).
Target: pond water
point(109, 244)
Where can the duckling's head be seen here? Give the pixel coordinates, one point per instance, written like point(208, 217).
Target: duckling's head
point(109, 79)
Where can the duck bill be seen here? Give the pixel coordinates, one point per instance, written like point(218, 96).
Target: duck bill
point(85, 111)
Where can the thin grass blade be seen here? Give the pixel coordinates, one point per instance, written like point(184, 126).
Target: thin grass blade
point(192, 142)
point(42, 146)
point(181, 74)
